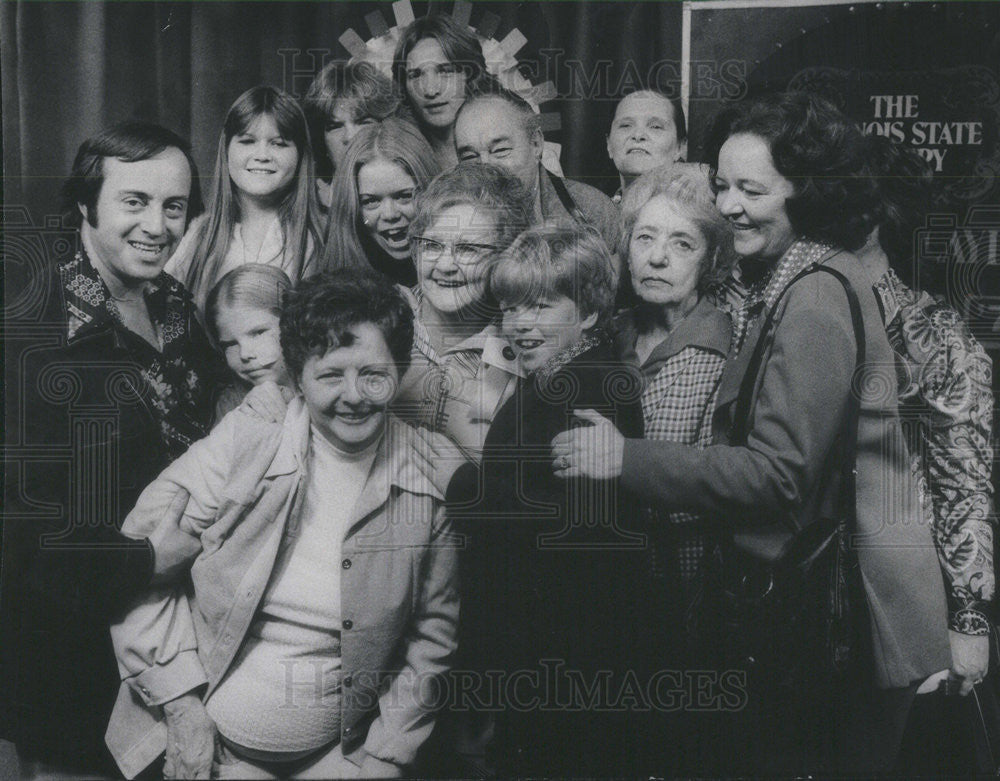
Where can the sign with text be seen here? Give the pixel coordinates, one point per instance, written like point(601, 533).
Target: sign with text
point(950, 117)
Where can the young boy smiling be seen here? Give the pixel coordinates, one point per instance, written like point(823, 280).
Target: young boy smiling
point(546, 572)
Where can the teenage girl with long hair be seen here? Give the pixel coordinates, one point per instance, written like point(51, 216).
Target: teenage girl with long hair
point(374, 199)
point(261, 207)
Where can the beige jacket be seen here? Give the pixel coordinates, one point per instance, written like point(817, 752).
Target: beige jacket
point(399, 597)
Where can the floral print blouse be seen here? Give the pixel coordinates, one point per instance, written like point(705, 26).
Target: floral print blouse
point(946, 406)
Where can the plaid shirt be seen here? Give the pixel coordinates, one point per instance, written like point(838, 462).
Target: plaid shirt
point(682, 376)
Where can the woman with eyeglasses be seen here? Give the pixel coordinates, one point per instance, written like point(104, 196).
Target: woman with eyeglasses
point(461, 369)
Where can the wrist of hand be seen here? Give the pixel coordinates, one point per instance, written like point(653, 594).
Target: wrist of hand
point(373, 767)
point(184, 703)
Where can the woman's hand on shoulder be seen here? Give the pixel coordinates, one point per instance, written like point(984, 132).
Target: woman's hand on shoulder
point(191, 736)
point(595, 450)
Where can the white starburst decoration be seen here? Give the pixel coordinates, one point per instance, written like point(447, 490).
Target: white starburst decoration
point(501, 59)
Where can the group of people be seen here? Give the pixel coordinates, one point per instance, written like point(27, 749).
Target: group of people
point(405, 455)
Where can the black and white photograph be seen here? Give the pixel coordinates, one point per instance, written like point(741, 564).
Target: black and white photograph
point(499, 389)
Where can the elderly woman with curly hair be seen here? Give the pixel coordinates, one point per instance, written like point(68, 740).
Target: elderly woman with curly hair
point(790, 179)
point(462, 370)
point(675, 244)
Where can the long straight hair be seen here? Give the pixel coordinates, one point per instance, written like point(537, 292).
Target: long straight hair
point(296, 211)
point(395, 140)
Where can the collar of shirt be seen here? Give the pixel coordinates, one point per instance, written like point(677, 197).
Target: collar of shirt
point(764, 292)
point(728, 295)
point(90, 306)
point(893, 295)
point(705, 327)
point(492, 348)
point(552, 366)
point(271, 249)
point(292, 454)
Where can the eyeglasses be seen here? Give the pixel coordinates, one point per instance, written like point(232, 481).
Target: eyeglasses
point(464, 252)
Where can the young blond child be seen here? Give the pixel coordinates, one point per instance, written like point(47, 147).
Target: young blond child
point(242, 314)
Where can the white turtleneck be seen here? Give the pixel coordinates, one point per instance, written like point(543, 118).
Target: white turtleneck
point(281, 697)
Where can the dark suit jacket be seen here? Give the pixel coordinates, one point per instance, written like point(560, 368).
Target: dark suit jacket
point(82, 444)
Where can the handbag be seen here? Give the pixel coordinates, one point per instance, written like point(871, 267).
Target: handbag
point(790, 603)
point(984, 708)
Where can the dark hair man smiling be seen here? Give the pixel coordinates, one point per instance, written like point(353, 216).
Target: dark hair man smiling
point(110, 377)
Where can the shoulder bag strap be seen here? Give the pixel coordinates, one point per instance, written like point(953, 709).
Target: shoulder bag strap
point(742, 413)
point(565, 198)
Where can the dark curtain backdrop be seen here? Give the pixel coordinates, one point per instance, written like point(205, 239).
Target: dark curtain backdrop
point(71, 68)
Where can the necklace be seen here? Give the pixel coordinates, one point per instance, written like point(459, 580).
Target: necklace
point(131, 300)
point(263, 241)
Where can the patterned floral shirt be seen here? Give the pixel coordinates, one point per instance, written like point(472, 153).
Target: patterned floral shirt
point(946, 405)
point(181, 377)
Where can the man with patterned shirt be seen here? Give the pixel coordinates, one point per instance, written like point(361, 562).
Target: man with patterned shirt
point(109, 378)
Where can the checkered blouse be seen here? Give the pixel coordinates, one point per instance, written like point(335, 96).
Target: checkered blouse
point(682, 380)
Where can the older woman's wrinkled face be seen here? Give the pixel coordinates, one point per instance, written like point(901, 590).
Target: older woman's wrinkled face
point(667, 255)
point(452, 257)
point(643, 135)
point(751, 194)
